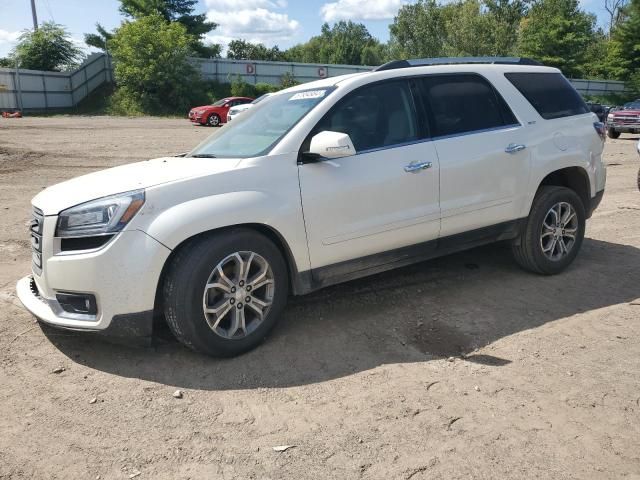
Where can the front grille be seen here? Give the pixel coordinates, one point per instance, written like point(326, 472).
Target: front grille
point(626, 119)
point(36, 227)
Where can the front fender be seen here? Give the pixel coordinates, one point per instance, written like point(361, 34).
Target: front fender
point(182, 221)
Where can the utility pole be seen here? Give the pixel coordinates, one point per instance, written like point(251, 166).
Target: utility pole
point(33, 14)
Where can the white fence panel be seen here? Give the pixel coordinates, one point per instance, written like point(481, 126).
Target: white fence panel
point(37, 90)
point(8, 94)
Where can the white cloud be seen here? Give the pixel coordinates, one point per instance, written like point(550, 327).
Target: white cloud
point(360, 10)
point(255, 20)
point(8, 37)
point(7, 41)
point(232, 5)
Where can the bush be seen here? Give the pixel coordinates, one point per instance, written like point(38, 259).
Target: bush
point(288, 80)
point(151, 67)
point(240, 88)
point(262, 88)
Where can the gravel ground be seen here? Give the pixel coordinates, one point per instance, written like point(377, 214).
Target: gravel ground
point(461, 367)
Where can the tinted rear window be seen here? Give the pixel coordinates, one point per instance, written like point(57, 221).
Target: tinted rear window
point(549, 93)
point(464, 103)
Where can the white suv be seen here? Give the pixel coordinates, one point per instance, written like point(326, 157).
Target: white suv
point(320, 183)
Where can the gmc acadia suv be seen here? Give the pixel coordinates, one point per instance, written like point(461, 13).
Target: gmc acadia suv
point(317, 184)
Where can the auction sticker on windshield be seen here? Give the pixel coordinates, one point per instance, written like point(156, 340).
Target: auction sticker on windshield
point(308, 94)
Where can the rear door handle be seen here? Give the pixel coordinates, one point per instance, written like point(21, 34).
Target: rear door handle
point(514, 148)
point(415, 167)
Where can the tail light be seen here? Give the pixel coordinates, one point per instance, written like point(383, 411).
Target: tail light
point(600, 130)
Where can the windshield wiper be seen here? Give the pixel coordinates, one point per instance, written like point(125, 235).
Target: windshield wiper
point(203, 155)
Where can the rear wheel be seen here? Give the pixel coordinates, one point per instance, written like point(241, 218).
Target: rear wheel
point(213, 120)
point(553, 233)
point(613, 133)
point(224, 292)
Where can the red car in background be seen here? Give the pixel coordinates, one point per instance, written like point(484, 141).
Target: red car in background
point(216, 114)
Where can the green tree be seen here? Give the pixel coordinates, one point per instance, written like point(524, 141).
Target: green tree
point(625, 46)
point(151, 65)
point(6, 62)
point(98, 40)
point(244, 50)
point(346, 42)
point(48, 48)
point(557, 33)
point(505, 17)
point(180, 11)
point(419, 30)
point(468, 30)
point(462, 28)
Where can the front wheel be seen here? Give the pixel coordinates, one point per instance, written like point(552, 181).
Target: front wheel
point(224, 292)
point(213, 120)
point(613, 133)
point(554, 231)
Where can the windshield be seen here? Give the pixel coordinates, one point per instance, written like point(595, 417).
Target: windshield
point(219, 103)
point(258, 129)
point(632, 106)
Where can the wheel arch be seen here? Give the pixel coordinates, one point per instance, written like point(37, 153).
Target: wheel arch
point(575, 178)
point(299, 282)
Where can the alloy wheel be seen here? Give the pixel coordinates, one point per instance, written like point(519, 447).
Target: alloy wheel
point(559, 231)
point(238, 295)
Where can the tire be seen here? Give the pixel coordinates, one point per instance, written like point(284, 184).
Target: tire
point(213, 120)
point(194, 267)
point(613, 133)
point(528, 248)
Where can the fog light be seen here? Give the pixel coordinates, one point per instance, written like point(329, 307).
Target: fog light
point(82, 303)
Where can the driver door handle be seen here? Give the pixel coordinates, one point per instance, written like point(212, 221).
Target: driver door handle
point(415, 167)
point(514, 148)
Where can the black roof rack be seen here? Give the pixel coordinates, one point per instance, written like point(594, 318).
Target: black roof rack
point(422, 62)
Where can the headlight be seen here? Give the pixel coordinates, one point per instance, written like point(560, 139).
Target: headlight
point(103, 216)
point(610, 116)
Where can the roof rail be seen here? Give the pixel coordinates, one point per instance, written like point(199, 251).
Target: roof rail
point(421, 62)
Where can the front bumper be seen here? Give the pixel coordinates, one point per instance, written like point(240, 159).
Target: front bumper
point(134, 325)
point(123, 276)
point(624, 127)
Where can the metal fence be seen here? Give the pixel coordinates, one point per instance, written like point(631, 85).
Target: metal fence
point(32, 90)
point(224, 70)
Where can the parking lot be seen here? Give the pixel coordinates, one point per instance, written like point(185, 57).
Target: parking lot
point(461, 367)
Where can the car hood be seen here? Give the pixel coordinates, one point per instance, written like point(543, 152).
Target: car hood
point(626, 112)
point(133, 176)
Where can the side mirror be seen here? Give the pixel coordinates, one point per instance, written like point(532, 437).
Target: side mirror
point(329, 145)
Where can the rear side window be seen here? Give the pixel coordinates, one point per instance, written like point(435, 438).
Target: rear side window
point(463, 103)
point(549, 93)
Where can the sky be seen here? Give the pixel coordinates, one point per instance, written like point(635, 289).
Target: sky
point(272, 22)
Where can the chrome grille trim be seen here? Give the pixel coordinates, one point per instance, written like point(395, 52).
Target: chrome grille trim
point(36, 227)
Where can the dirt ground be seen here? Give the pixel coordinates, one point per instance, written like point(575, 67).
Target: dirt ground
point(462, 367)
